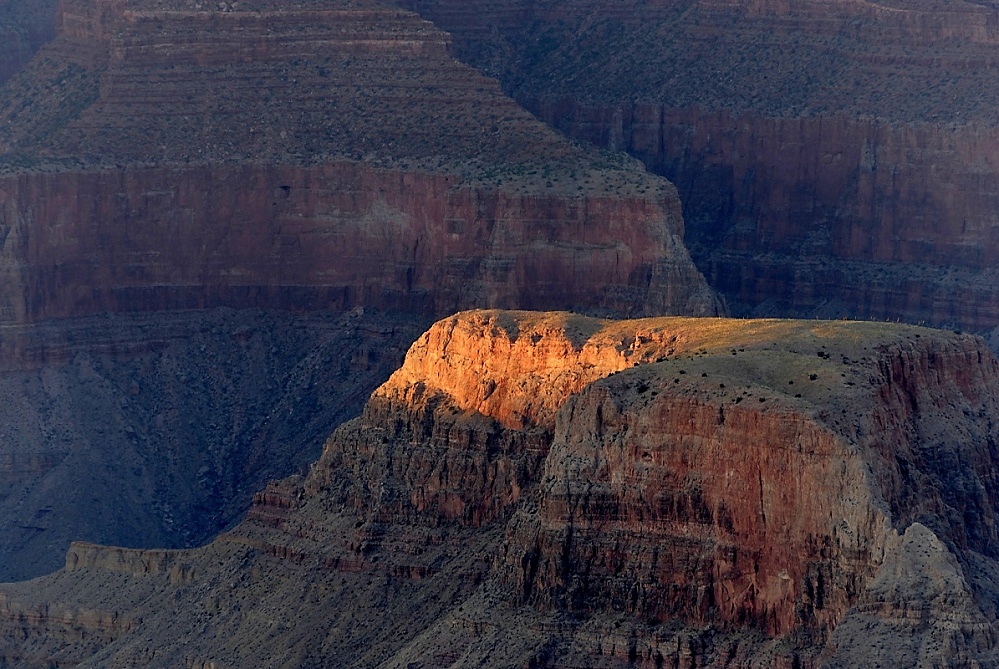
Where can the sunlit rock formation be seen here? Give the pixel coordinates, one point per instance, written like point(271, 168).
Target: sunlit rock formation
point(554, 490)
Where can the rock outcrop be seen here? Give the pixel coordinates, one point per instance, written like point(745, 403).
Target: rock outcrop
point(554, 490)
point(833, 158)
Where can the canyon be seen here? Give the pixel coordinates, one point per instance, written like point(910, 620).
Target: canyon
point(668, 492)
point(220, 229)
point(834, 159)
point(224, 227)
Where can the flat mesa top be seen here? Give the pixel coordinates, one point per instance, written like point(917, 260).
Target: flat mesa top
point(520, 367)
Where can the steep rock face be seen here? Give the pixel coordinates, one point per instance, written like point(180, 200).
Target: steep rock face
point(328, 237)
point(827, 214)
point(162, 159)
point(833, 158)
point(677, 493)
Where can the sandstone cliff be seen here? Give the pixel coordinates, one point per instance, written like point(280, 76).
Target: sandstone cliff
point(833, 158)
point(552, 490)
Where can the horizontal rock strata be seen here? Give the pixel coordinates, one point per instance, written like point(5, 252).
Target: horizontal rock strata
point(554, 490)
point(169, 158)
point(336, 236)
point(833, 158)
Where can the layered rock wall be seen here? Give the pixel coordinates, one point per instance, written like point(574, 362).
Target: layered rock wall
point(331, 237)
point(789, 215)
point(678, 497)
point(163, 163)
point(723, 491)
point(834, 159)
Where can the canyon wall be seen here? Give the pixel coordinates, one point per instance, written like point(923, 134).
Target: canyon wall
point(335, 236)
point(304, 158)
point(827, 215)
point(554, 490)
point(286, 180)
point(834, 159)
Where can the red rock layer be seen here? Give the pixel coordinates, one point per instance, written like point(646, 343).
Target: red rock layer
point(849, 217)
point(833, 158)
point(676, 501)
point(275, 157)
point(330, 237)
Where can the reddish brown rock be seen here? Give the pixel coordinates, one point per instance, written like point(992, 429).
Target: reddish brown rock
point(833, 158)
point(294, 157)
point(328, 237)
point(677, 492)
point(129, 561)
point(764, 489)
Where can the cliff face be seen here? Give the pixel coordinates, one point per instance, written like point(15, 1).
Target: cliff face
point(552, 490)
point(167, 163)
point(834, 159)
point(329, 237)
point(757, 508)
point(826, 214)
